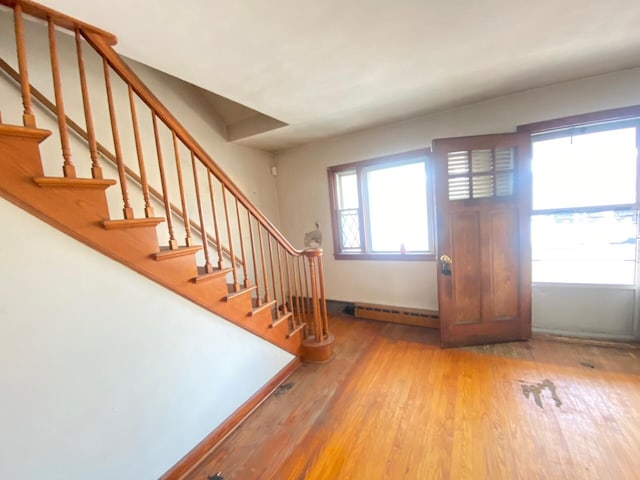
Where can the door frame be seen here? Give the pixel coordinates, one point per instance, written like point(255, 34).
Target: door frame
point(609, 115)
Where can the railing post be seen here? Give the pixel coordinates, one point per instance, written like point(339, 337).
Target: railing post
point(173, 244)
point(148, 209)
point(318, 344)
point(126, 208)
point(68, 168)
point(28, 118)
point(215, 221)
point(96, 169)
point(208, 268)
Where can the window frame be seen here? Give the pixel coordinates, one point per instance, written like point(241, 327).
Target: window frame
point(576, 122)
point(360, 168)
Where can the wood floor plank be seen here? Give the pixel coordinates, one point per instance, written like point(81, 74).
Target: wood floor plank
point(392, 404)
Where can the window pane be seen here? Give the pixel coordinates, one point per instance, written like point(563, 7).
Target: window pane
point(585, 170)
point(584, 247)
point(349, 230)
point(398, 208)
point(347, 183)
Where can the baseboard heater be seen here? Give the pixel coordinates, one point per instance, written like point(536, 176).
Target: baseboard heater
point(407, 316)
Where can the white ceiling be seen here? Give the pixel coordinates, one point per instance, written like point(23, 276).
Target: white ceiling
point(326, 67)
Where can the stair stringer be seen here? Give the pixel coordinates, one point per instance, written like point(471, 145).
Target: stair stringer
point(80, 213)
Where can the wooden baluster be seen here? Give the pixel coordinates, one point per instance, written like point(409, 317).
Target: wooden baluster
point(253, 258)
point(295, 264)
point(183, 201)
point(148, 209)
point(273, 271)
point(264, 266)
point(127, 210)
point(284, 310)
point(215, 221)
point(163, 181)
point(96, 169)
point(246, 282)
point(28, 118)
point(323, 299)
point(315, 304)
point(67, 167)
point(306, 299)
point(286, 262)
point(236, 285)
point(205, 241)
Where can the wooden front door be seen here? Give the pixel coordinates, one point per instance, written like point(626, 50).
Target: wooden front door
point(483, 204)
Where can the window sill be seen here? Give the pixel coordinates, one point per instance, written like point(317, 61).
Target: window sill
point(429, 257)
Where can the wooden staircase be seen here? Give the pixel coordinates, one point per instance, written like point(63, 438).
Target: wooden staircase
point(259, 281)
point(78, 207)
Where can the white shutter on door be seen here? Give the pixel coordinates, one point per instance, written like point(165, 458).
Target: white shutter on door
point(484, 173)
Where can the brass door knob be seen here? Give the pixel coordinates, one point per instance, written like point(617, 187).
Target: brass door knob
point(445, 264)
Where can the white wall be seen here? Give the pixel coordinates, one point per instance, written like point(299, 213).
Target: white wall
point(104, 373)
point(303, 189)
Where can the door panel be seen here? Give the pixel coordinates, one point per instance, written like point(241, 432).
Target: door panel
point(466, 279)
point(483, 206)
point(501, 294)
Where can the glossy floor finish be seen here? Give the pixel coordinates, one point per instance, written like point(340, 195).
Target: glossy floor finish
point(393, 405)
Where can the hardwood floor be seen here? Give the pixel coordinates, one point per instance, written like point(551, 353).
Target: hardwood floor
point(392, 405)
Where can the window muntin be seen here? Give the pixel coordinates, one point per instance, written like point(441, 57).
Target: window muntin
point(382, 208)
point(585, 219)
point(348, 210)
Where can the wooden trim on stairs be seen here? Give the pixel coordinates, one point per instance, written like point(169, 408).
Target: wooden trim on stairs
point(205, 277)
point(198, 453)
point(166, 253)
point(133, 223)
point(67, 182)
point(104, 151)
point(239, 293)
point(38, 134)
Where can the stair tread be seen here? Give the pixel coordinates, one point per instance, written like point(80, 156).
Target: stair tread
point(296, 330)
point(166, 253)
point(65, 182)
point(204, 276)
point(259, 308)
point(233, 294)
point(280, 319)
point(132, 223)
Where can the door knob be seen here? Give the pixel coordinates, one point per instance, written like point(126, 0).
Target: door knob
point(445, 264)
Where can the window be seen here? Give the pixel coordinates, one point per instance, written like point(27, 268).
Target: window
point(383, 208)
point(585, 204)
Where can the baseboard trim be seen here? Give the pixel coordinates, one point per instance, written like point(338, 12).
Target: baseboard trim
point(406, 316)
point(598, 340)
point(197, 453)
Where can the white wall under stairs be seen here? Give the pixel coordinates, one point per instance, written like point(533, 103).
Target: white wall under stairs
point(104, 373)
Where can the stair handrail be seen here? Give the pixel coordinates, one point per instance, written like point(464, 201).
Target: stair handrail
point(43, 12)
point(106, 153)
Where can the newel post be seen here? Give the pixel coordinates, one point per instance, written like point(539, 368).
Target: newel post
point(317, 345)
